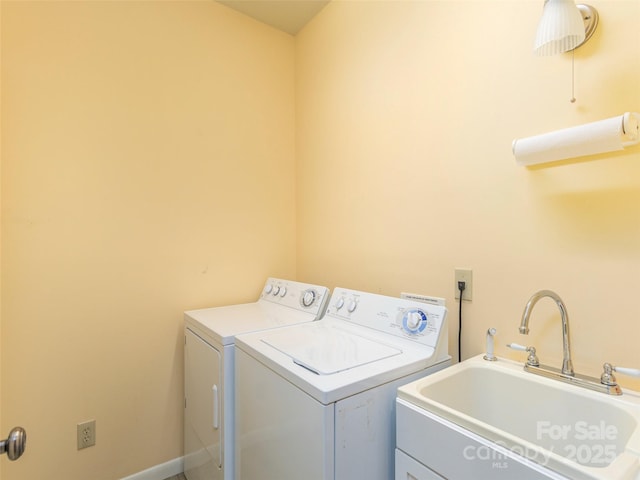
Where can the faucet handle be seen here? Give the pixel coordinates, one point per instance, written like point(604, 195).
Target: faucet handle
point(608, 378)
point(633, 372)
point(517, 346)
point(532, 359)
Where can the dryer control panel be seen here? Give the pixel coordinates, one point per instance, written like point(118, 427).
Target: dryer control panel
point(300, 296)
point(418, 321)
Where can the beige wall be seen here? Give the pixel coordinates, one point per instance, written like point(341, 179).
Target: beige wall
point(147, 168)
point(406, 112)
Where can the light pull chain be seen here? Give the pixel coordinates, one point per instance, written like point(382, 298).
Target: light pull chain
point(573, 75)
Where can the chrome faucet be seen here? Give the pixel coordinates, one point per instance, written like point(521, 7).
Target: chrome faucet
point(605, 384)
point(567, 365)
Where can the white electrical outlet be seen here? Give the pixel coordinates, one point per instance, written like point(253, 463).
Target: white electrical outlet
point(86, 434)
point(464, 275)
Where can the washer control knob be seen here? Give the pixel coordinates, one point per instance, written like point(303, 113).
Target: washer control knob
point(308, 297)
point(283, 291)
point(339, 303)
point(414, 321)
point(268, 288)
point(352, 305)
point(276, 290)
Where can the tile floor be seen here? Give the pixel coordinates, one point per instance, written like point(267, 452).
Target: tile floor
point(177, 477)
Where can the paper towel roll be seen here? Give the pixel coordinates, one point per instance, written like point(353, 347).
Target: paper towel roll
point(588, 139)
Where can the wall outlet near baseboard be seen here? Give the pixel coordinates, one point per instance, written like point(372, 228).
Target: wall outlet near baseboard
point(86, 434)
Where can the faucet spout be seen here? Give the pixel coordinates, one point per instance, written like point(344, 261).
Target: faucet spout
point(567, 364)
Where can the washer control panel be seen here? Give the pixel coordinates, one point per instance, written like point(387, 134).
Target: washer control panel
point(301, 296)
point(397, 316)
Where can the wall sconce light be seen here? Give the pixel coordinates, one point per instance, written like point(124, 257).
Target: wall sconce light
point(564, 26)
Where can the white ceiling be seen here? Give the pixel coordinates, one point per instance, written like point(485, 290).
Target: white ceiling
point(286, 15)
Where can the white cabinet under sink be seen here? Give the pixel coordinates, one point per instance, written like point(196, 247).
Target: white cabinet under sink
point(430, 447)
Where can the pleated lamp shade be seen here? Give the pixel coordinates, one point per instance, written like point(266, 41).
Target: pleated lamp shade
point(561, 28)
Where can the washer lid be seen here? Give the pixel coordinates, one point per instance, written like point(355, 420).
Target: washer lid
point(326, 350)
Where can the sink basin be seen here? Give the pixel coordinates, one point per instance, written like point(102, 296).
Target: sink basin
point(569, 430)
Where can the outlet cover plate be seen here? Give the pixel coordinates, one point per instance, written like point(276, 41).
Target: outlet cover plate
point(464, 275)
point(86, 434)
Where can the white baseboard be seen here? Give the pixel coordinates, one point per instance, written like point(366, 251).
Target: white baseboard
point(160, 472)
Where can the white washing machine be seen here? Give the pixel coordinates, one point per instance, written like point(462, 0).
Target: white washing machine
point(209, 368)
point(317, 401)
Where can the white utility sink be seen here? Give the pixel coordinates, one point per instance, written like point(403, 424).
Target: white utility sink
point(569, 430)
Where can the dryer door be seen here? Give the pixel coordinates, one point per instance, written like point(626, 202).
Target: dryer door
point(202, 412)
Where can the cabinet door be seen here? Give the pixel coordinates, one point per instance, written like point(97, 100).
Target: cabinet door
point(408, 469)
point(203, 412)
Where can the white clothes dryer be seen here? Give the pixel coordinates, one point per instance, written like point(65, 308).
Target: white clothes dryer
point(317, 401)
point(209, 368)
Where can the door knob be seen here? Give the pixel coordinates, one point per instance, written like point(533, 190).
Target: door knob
point(15, 444)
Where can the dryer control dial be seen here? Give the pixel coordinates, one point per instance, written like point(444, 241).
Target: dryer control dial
point(268, 288)
point(283, 291)
point(276, 290)
point(308, 297)
point(414, 321)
